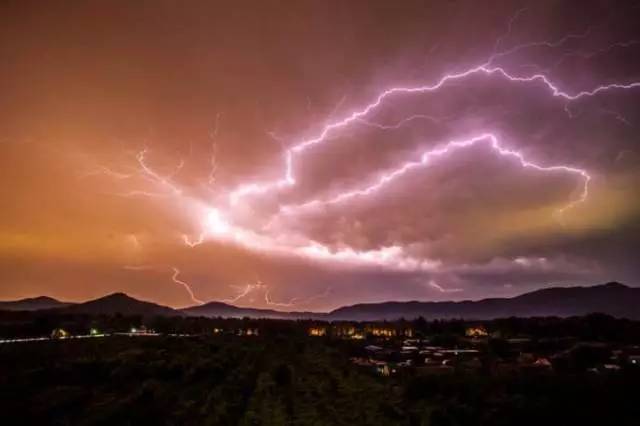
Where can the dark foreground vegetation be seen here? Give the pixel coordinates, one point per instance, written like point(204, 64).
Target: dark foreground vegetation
point(282, 376)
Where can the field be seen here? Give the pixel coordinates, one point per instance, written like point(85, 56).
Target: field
point(280, 380)
point(183, 381)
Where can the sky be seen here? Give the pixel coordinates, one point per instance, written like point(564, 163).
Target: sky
point(301, 155)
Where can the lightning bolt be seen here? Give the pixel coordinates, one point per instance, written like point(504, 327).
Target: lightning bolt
point(186, 286)
point(193, 242)
point(289, 179)
point(296, 301)
point(104, 170)
point(547, 44)
point(174, 277)
point(268, 301)
point(587, 55)
point(617, 116)
point(512, 21)
point(487, 68)
point(433, 284)
point(393, 255)
point(246, 290)
point(427, 158)
point(218, 223)
point(402, 122)
point(151, 175)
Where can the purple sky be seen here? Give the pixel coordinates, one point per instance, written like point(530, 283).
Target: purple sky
point(129, 129)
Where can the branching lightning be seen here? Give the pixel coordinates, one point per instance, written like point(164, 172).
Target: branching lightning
point(427, 157)
point(218, 219)
point(186, 286)
point(174, 277)
point(151, 175)
point(487, 69)
point(259, 286)
point(484, 69)
point(402, 122)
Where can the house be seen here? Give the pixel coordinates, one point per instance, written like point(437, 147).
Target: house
point(382, 368)
point(346, 331)
point(476, 331)
point(142, 331)
point(381, 331)
point(59, 333)
point(407, 332)
point(317, 331)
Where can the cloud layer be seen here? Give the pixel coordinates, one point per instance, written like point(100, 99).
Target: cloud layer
point(120, 145)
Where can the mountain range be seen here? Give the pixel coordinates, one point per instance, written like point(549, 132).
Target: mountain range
point(118, 303)
point(32, 304)
point(612, 298)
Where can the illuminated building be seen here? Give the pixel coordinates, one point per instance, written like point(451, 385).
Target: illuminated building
point(318, 331)
point(59, 333)
point(142, 331)
point(477, 331)
point(381, 331)
point(346, 331)
point(383, 369)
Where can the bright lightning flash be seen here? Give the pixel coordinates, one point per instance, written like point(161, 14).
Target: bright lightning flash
point(219, 219)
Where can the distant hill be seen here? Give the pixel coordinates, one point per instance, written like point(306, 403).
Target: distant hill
point(32, 304)
point(118, 303)
point(220, 309)
point(613, 298)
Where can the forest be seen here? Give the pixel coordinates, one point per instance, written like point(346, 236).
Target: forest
point(282, 376)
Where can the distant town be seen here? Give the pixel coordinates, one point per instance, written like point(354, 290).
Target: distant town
point(386, 347)
point(243, 370)
point(120, 360)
